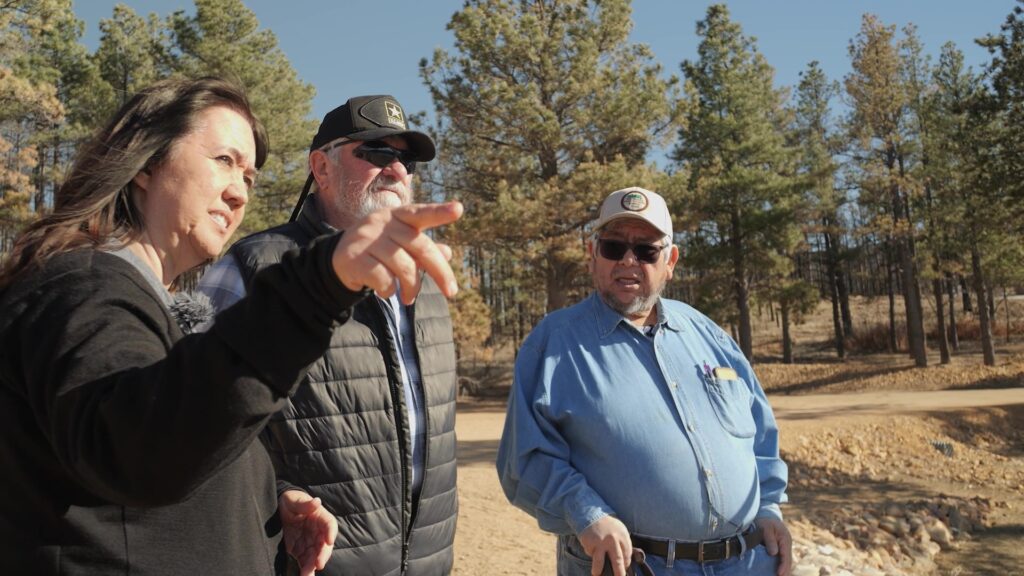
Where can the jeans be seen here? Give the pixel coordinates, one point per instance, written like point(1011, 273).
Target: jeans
point(573, 561)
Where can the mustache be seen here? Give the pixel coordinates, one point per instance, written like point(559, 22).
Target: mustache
point(385, 182)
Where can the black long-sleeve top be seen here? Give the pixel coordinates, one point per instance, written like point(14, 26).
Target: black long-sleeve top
point(127, 447)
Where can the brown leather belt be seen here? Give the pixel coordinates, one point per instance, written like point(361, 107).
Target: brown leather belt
point(708, 551)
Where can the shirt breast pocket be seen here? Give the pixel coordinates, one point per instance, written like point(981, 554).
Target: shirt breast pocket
point(731, 400)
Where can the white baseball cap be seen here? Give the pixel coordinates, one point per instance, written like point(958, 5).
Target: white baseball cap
point(637, 203)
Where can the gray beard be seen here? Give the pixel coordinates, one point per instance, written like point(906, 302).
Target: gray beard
point(372, 201)
point(638, 305)
point(346, 211)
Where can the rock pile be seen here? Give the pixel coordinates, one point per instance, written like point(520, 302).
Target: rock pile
point(891, 539)
point(861, 492)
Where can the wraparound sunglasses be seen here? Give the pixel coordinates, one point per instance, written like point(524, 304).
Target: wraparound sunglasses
point(381, 154)
point(616, 250)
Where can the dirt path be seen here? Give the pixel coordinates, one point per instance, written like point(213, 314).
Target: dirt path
point(820, 406)
point(495, 538)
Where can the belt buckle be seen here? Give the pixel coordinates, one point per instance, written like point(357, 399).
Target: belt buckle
point(728, 541)
point(700, 552)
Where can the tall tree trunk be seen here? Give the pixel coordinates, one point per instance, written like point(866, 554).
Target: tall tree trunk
point(987, 349)
point(557, 284)
point(39, 175)
point(521, 327)
point(908, 269)
point(966, 293)
point(991, 299)
point(912, 305)
point(787, 341)
point(1006, 310)
point(834, 287)
point(844, 301)
point(739, 280)
point(890, 286)
point(940, 321)
point(954, 337)
point(746, 340)
point(840, 337)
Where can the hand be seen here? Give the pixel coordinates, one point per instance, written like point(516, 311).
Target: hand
point(609, 538)
point(389, 244)
point(778, 542)
point(309, 530)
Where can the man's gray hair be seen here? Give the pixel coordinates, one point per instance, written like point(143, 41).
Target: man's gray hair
point(333, 153)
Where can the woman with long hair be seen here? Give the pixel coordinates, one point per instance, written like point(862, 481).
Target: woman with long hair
point(127, 437)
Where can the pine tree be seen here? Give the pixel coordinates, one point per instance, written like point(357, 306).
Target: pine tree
point(818, 146)
point(1006, 73)
point(132, 52)
point(542, 109)
point(740, 167)
point(25, 104)
point(883, 123)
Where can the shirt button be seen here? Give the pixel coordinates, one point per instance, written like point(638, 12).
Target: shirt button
point(707, 473)
point(674, 385)
point(690, 426)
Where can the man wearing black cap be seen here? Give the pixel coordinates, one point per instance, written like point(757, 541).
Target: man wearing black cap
point(372, 433)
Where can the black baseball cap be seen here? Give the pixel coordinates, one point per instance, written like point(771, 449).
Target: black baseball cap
point(367, 118)
point(372, 118)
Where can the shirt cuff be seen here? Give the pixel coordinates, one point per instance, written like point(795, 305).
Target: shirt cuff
point(587, 510)
point(769, 511)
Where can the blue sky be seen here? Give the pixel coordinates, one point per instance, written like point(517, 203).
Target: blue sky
point(346, 47)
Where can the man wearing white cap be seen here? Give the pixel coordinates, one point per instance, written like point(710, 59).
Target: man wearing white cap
point(636, 429)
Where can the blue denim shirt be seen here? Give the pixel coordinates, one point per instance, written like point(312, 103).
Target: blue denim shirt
point(605, 420)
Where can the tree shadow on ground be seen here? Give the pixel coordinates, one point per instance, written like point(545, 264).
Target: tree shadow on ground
point(864, 409)
point(992, 551)
point(477, 404)
point(996, 382)
point(995, 429)
point(816, 499)
point(476, 452)
point(820, 385)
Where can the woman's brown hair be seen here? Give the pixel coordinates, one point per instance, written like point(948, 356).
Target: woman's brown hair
point(94, 204)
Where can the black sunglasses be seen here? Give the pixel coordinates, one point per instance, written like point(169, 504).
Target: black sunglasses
point(381, 155)
point(616, 250)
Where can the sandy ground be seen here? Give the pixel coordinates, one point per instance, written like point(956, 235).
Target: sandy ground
point(493, 537)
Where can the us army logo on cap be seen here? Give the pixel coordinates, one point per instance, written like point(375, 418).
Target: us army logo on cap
point(634, 202)
point(394, 112)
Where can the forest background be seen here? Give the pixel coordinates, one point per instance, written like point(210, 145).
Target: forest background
point(901, 179)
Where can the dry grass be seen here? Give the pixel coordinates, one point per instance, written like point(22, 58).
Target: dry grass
point(814, 335)
point(870, 366)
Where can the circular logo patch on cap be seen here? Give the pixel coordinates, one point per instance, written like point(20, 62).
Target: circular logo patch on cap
point(634, 202)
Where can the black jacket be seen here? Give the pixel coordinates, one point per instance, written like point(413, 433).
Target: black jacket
point(344, 435)
point(128, 448)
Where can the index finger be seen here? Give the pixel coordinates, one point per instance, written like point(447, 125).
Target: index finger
point(424, 216)
point(433, 262)
point(597, 562)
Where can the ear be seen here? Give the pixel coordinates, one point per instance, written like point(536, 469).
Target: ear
point(590, 256)
point(142, 179)
point(673, 257)
point(319, 167)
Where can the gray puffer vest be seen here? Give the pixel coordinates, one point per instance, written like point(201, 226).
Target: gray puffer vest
point(344, 436)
